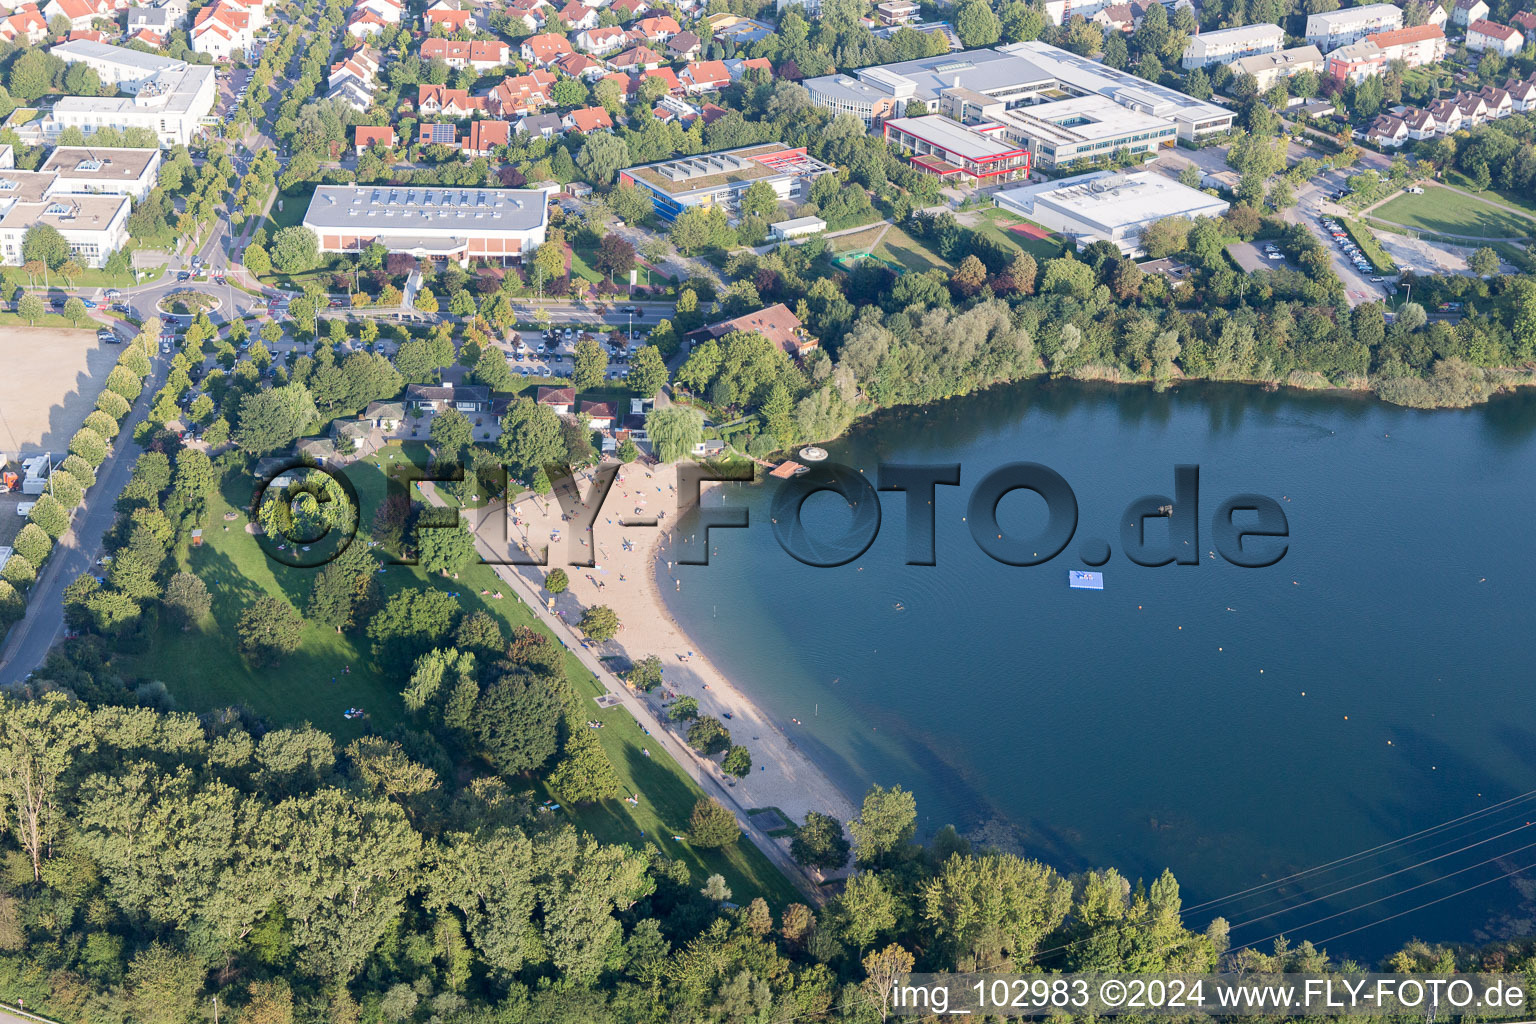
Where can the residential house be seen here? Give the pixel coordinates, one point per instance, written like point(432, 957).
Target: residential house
point(1522, 94)
point(482, 55)
point(90, 35)
point(777, 323)
point(1467, 11)
point(439, 99)
point(738, 67)
point(1269, 68)
point(1116, 17)
point(368, 135)
point(1437, 17)
point(600, 40)
point(627, 10)
point(222, 29)
point(435, 133)
point(485, 136)
point(1415, 46)
point(531, 13)
point(659, 29)
point(599, 415)
point(1496, 101)
point(351, 435)
point(1525, 21)
point(365, 24)
point(668, 78)
point(637, 59)
point(558, 399)
point(1387, 131)
point(579, 65)
point(385, 416)
point(576, 16)
point(684, 46)
point(449, 18)
point(587, 119)
point(158, 21)
point(1421, 124)
point(79, 13)
point(704, 76)
point(25, 25)
point(388, 11)
point(521, 94)
point(1447, 115)
point(732, 28)
point(435, 398)
point(545, 125)
point(893, 13)
point(545, 48)
point(352, 93)
point(1474, 109)
point(1484, 36)
point(1223, 46)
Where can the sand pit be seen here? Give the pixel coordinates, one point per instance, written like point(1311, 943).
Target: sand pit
point(49, 380)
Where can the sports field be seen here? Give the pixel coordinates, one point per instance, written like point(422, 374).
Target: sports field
point(1445, 212)
point(49, 380)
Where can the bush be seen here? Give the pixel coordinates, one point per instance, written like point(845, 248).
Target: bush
point(33, 544)
point(113, 404)
point(711, 825)
point(19, 572)
point(78, 468)
point(67, 489)
point(50, 515)
point(89, 445)
point(103, 424)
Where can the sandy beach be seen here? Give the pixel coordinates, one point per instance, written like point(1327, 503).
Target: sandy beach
point(631, 566)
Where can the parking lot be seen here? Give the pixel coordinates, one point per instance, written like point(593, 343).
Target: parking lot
point(232, 88)
point(1254, 257)
point(1348, 250)
point(552, 354)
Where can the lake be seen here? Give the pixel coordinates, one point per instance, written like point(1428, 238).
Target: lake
point(1235, 725)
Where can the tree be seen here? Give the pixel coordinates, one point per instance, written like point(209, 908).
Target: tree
point(1484, 262)
point(44, 243)
point(708, 735)
point(591, 365)
point(647, 371)
point(711, 825)
point(163, 986)
point(759, 200)
point(31, 307)
point(33, 544)
point(516, 722)
point(602, 156)
point(683, 709)
point(256, 260)
point(267, 630)
point(186, 596)
point(556, 581)
point(885, 824)
point(294, 250)
point(884, 970)
point(50, 515)
point(491, 369)
point(75, 313)
point(600, 623)
point(977, 25)
point(645, 674)
point(451, 434)
point(584, 774)
point(737, 762)
point(274, 418)
point(674, 431)
point(819, 842)
point(447, 550)
point(615, 255)
point(531, 437)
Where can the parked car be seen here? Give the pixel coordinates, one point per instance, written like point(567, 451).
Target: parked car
point(24, 507)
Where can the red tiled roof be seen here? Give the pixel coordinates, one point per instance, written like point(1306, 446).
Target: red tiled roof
point(1401, 36)
point(367, 135)
point(485, 136)
point(1492, 29)
point(590, 119)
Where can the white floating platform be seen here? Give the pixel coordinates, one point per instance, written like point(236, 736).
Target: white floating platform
point(1080, 580)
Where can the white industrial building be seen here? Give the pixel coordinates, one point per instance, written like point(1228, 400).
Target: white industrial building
point(1016, 76)
point(1223, 46)
point(1333, 29)
point(168, 97)
point(429, 222)
point(1109, 206)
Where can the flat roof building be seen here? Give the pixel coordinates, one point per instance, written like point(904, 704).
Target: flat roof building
point(430, 222)
point(1109, 206)
point(93, 226)
point(719, 178)
point(1084, 128)
point(945, 148)
point(1228, 44)
point(128, 172)
point(1332, 29)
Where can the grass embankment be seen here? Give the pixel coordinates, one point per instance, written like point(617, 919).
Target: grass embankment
point(204, 672)
point(1446, 212)
point(1369, 245)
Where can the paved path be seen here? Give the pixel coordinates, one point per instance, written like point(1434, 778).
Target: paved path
point(705, 772)
point(30, 639)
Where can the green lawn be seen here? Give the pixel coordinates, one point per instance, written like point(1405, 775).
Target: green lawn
point(900, 247)
point(46, 320)
point(997, 223)
point(204, 672)
point(1443, 211)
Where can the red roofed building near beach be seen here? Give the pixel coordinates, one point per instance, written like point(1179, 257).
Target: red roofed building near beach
point(777, 323)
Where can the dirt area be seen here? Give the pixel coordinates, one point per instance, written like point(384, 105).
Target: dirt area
point(1423, 257)
point(49, 380)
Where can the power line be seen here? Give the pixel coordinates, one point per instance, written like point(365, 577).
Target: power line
point(1431, 903)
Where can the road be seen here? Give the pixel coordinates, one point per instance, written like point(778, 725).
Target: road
point(1312, 204)
point(30, 639)
point(704, 772)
